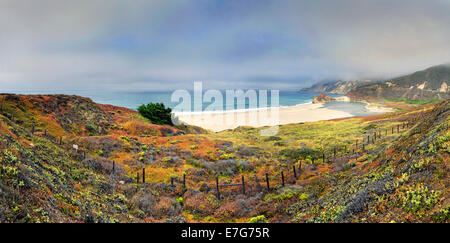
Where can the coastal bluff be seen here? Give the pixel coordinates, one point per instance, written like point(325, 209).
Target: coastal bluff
point(322, 98)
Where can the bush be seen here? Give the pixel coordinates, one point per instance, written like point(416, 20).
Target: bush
point(303, 196)
point(272, 138)
point(279, 143)
point(127, 139)
point(258, 219)
point(157, 113)
point(299, 153)
point(180, 200)
point(90, 128)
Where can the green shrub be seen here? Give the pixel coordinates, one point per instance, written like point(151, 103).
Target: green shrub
point(127, 139)
point(299, 153)
point(288, 194)
point(194, 162)
point(442, 215)
point(303, 196)
point(90, 128)
point(157, 113)
point(369, 127)
point(258, 219)
point(180, 200)
point(279, 143)
point(272, 138)
point(419, 198)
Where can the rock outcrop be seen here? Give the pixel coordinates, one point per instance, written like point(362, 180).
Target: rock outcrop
point(322, 98)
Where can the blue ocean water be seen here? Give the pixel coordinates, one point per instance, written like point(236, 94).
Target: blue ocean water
point(133, 100)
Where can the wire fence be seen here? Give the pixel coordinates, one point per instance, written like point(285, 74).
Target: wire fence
point(327, 156)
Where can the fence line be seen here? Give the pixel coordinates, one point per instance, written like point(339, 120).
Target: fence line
point(376, 135)
point(218, 186)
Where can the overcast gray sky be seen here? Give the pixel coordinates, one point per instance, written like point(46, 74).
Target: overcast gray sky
point(169, 44)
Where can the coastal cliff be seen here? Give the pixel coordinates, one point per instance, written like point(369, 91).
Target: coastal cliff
point(431, 83)
point(336, 87)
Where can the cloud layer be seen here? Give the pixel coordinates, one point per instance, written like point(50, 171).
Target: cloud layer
point(165, 45)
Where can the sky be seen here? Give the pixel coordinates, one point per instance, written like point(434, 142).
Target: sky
point(142, 45)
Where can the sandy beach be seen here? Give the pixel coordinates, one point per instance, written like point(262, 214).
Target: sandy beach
point(377, 108)
point(266, 117)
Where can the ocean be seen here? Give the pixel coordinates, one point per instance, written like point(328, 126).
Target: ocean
point(133, 100)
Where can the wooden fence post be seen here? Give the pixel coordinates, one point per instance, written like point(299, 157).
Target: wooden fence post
point(217, 187)
point(143, 175)
point(282, 178)
point(243, 185)
point(267, 181)
point(184, 181)
point(295, 172)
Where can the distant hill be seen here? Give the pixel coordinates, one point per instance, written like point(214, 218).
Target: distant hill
point(337, 87)
point(430, 83)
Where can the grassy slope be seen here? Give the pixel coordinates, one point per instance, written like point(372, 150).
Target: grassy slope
point(399, 178)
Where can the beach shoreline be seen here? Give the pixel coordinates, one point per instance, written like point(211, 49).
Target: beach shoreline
point(376, 108)
point(219, 121)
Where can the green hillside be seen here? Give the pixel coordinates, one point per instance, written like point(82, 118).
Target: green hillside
point(399, 176)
